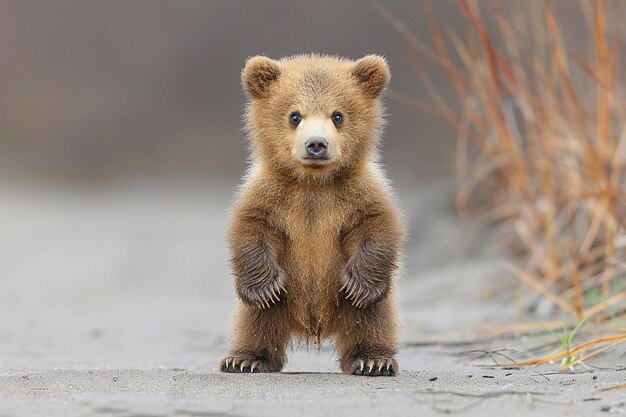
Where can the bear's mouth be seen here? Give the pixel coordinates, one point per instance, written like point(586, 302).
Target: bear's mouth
point(315, 160)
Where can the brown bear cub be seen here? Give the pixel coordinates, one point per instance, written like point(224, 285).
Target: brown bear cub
point(315, 233)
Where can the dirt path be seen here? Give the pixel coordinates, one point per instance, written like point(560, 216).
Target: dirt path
point(117, 304)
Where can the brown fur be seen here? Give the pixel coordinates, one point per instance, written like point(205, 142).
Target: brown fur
point(315, 247)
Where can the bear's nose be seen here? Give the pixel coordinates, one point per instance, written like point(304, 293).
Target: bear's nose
point(316, 146)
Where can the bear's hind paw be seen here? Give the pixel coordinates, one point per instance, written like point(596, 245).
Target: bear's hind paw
point(246, 364)
point(374, 367)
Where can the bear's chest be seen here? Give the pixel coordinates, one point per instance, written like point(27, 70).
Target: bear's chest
point(314, 229)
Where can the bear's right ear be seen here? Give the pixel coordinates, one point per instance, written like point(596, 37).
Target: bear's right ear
point(258, 75)
point(372, 74)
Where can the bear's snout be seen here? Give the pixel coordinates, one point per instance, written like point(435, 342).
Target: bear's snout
point(316, 146)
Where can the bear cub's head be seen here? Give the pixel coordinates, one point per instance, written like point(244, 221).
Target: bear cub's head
point(314, 117)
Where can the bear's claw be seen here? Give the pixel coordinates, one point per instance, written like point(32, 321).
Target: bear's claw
point(374, 367)
point(245, 364)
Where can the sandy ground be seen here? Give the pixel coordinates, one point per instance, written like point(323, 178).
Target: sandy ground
point(117, 303)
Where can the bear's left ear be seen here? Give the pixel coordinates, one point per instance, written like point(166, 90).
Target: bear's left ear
point(258, 75)
point(372, 74)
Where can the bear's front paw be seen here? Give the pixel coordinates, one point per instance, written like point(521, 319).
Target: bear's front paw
point(263, 294)
point(373, 366)
point(259, 281)
point(367, 277)
point(362, 292)
point(247, 364)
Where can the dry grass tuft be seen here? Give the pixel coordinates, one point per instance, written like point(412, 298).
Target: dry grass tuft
point(541, 148)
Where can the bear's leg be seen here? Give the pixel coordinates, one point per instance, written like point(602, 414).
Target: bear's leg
point(259, 340)
point(368, 339)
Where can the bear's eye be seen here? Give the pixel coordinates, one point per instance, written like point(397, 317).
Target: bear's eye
point(337, 118)
point(295, 117)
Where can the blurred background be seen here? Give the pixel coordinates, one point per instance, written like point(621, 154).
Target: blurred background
point(99, 92)
point(121, 147)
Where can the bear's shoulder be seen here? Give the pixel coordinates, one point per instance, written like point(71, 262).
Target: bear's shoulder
point(367, 189)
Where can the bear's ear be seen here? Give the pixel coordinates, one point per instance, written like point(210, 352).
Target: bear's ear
point(258, 75)
point(372, 74)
